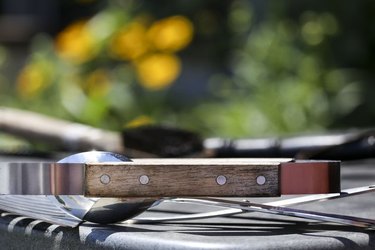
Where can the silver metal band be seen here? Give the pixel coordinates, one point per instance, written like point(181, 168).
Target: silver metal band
point(41, 178)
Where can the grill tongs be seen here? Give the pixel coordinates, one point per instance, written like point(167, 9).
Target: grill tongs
point(104, 187)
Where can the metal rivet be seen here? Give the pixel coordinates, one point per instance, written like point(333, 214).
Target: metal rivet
point(143, 179)
point(261, 180)
point(221, 180)
point(105, 179)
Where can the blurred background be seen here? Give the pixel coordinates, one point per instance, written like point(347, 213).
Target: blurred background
point(239, 68)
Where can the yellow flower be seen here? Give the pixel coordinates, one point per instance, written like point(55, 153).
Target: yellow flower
point(75, 43)
point(32, 80)
point(130, 42)
point(97, 83)
point(157, 71)
point(139, 121)
point(171, 34)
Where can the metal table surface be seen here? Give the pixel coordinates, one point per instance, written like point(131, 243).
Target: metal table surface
point(242, 231)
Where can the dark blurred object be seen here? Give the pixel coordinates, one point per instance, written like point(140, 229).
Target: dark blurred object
point(357, 144)
point(144, 141)
point(21, 20)
point(162, 141)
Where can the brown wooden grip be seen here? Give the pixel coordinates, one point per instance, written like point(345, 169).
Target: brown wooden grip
point(183, 178)
point(59, 133)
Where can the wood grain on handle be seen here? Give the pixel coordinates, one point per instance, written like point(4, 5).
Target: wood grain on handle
point(183, 178)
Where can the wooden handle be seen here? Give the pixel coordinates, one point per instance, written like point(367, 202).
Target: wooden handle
point(183, 178)
point(60, 133)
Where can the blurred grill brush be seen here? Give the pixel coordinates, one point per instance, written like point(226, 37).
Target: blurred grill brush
point(356, 144)
point(68, 136)
point(163, 141)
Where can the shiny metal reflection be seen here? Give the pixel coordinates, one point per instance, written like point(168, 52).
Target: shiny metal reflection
point(34, 178)
point(100, 210)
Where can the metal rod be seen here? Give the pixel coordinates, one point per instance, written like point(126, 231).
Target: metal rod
point(256, 207)
point(231, 211)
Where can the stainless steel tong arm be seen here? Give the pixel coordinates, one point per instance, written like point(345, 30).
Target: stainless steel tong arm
point(41, 178)
point(286, 211)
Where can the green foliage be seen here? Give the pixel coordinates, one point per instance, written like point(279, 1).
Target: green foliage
point(279, 77)
point(280, 81)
